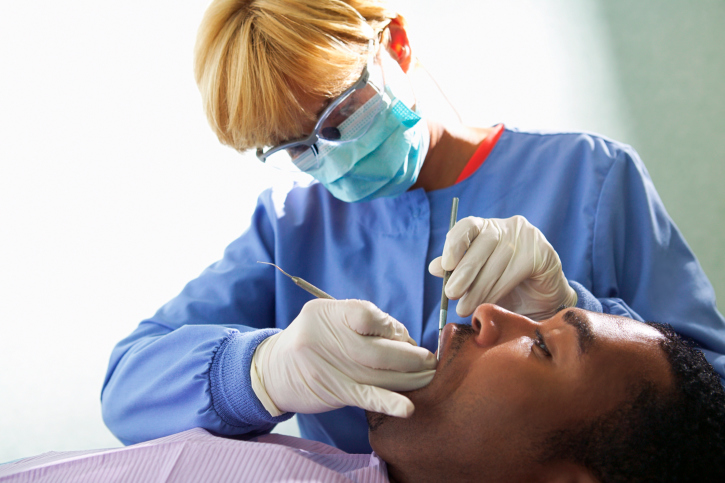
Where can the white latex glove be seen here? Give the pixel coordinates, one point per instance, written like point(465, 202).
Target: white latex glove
point(340, 353)
point(503, 261)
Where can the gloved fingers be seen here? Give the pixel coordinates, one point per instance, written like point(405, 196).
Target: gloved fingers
point(332, 387)
point(376, 399)
point(540, 296)
point(435, 268)
point(487, 253)
point(366, 319)
point(533, 260)
point(500, 292)
point(571, 298)
point(390, 355)
point(397, 381)
point(338, 379)
point(459, 239)
point(467, 305)
point(497, 277)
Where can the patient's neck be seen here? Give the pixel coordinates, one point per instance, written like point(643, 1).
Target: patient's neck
point(451, 472)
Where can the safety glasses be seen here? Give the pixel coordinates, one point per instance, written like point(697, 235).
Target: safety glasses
point(330, 127)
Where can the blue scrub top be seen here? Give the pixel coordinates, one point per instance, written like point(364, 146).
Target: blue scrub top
point(188, 365)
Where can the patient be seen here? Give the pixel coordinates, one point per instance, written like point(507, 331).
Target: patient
point(581, 397)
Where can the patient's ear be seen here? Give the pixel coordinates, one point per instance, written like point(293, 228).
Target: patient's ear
point(567, 473)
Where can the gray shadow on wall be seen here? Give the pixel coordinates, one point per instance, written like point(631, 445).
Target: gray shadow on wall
point(670, 58)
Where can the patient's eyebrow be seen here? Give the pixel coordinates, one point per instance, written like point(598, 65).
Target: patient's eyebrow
point(580, 322)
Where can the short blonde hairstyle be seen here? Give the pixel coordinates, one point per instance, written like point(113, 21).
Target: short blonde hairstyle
point(254, 59)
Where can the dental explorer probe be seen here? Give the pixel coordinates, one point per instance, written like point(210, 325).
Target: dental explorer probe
point(446, 276)
point(303, 284)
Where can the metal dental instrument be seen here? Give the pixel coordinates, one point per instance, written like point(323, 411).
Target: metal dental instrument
point(303, 284)
point(444, 299)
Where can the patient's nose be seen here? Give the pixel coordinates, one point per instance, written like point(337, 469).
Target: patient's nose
point(494, 325)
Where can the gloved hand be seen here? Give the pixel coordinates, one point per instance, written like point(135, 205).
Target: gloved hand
point(503, 261)
point(340, 353)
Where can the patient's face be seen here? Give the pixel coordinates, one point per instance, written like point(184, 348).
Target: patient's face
point(505, 381)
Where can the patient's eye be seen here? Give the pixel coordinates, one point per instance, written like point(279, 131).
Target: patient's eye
point(539, 342)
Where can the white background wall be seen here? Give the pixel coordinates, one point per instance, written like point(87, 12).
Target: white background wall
point(114, 192)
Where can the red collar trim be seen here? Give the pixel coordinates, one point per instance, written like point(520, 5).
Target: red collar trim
point(482, 152)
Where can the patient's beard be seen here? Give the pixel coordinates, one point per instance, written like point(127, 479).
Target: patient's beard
point(375, 420)
point(460, 336)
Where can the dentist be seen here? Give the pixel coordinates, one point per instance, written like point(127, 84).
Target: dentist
point(548, 219)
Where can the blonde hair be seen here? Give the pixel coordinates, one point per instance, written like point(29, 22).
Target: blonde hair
point(254, 58)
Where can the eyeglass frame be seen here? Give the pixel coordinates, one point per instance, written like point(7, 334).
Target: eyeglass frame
point(311, 140)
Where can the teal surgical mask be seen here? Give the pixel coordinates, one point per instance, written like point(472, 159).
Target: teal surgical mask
point(385, 161)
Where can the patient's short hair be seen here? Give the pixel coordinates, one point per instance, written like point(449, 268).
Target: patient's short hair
point(657, 435)
point(253, 59)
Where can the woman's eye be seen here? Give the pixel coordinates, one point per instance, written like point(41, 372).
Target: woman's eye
point(347, 110)
point(539, 342)
point(296, 151)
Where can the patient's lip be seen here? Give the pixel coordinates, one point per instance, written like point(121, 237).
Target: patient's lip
point(447, 336)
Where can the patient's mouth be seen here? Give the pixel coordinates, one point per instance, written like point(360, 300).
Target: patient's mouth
point(453, 338)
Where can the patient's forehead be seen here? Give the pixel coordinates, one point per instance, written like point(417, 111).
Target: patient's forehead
point(622, 334)
point(628, 349)
point(619, 327)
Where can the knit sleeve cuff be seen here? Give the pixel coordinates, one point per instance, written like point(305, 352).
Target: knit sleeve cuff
point(231, 386)
point(586, 300)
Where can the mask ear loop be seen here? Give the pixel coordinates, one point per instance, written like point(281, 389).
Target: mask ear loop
point(374, 49)
point(400, 45)
point(421, 65)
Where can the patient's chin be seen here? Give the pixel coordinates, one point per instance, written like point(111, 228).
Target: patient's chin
point(375, 420)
